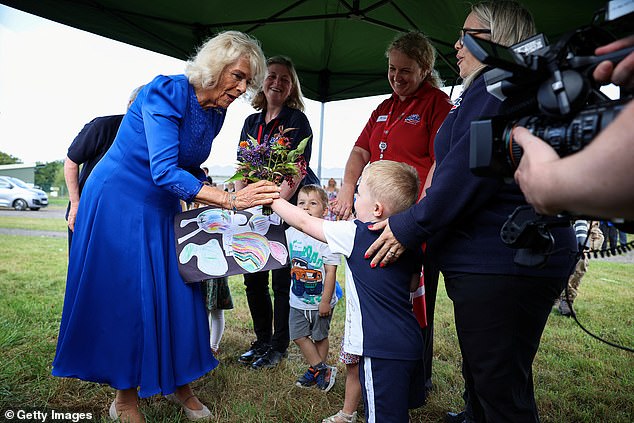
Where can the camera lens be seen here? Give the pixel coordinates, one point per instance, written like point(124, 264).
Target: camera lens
point(565, 137)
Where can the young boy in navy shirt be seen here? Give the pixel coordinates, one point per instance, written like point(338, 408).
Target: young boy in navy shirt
point(380, 324)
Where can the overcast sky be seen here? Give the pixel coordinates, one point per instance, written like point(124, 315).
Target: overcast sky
point(54, 79)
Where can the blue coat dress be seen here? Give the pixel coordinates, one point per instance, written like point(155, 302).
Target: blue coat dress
point(129, 320)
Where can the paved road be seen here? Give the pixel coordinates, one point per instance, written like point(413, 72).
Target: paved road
point(28, 232)
point(46, 213)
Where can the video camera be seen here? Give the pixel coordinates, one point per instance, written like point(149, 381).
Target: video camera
point(546, 88)
point(549, 90)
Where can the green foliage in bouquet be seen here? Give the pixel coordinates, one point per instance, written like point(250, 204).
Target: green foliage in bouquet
point(272, 161)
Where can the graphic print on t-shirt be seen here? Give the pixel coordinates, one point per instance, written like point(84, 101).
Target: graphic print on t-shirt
point(306, 282)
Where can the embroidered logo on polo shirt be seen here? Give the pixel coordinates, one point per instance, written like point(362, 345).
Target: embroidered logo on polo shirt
point(456, 104)
point(413, 119)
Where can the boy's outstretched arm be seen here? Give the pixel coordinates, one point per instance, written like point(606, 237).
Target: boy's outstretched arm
point(299, 219)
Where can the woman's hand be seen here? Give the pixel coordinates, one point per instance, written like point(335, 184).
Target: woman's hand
point(72, 214)
point(256, 194)
point(386, 249)
point(342, 205)
point(354, 166)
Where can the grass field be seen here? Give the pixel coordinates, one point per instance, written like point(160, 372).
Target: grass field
point(577, 378)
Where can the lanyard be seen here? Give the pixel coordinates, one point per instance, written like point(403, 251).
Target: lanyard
point(261, 128)
point(389, 126)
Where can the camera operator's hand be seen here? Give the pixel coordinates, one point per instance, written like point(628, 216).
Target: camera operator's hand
point(623, 73)
point(530, 174)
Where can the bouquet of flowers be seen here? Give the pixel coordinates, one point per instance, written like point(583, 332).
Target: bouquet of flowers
point(271, 161)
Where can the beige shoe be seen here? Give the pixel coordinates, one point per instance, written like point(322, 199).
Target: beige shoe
point(124, 416)
point(341, 417)
point(191, 414)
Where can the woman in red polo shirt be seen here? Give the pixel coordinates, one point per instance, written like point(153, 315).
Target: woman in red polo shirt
point(401, 129)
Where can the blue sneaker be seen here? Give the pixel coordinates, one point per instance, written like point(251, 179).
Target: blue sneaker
point(325, 376)
point(307, 380)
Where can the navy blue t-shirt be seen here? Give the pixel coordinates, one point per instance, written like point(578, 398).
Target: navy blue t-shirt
point(380, 321)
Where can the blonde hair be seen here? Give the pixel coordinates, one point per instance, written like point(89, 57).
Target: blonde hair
point(321, 193)
point(509, 22)
point(394, 184)
point(416, 46)
point(205, 68)
point(294, 100)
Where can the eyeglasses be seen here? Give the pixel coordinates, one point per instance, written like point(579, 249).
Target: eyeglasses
point(474, 31)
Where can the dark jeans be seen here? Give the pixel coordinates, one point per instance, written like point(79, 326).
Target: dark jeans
point(622, 237)
point(499, 321)
point(610, 236)
point(270, 319)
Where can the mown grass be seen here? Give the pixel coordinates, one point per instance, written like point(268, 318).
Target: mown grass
point(577, 378)
point(57, 201)
point(33, 223)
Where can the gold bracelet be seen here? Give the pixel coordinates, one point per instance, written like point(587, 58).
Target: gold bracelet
point(227, 200)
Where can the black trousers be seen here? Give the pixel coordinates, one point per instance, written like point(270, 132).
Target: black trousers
point(270, 319)
point(431, 274)
point(500, 320)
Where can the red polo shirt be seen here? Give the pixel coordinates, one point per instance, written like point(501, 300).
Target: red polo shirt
point(411, 138)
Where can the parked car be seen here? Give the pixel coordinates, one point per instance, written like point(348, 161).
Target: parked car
point(17, 194)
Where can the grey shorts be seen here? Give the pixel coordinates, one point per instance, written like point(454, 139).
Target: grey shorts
point(303, 323)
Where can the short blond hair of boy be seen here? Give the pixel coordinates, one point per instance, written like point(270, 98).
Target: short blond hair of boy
point(394, 184)
point(321, 193)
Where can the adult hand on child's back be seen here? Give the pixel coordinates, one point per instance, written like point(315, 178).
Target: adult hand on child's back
point(386, 249)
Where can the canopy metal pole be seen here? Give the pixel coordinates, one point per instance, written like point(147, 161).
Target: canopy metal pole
point(321, 141)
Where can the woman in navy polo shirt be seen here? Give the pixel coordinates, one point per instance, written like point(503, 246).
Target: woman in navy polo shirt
point(281, 106)
point(500, 306)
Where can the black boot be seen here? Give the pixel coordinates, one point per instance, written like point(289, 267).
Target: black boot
point(269, 360)
point(455, 417)
point(257, 350)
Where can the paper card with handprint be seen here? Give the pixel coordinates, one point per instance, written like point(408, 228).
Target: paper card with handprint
point(213, 242)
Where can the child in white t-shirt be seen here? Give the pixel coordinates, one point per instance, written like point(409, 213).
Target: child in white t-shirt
point(380, 323)
point(312, 297)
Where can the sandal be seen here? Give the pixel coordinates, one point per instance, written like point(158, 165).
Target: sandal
point(341, 417)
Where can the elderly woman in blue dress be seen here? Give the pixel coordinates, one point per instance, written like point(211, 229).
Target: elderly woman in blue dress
point(129, 320)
